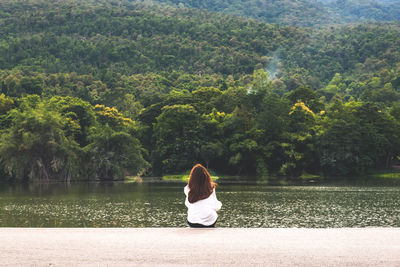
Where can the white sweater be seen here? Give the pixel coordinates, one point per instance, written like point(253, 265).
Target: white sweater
point(203, 211)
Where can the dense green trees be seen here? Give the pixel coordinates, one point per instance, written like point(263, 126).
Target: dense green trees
point(105, 89)
point(177, 135)
point(66, 138)
point(265, 134)
point(35, 145)
point(355, 137)
point(300, 12)
point(241, 129)
point(104, 41)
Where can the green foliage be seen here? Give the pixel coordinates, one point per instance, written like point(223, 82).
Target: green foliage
point(112, 155)
point(63, 139)
point(79, 116)
point(204, 98)
point(355, 137)
point(97, 89)
point(307, 96)
point(299, 141)
point(35, 146)
point(103, 42)
point(177, 137)
point(6, 104)
point(300, 12)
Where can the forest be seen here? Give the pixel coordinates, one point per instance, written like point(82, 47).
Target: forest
point(304, 13)
point(101, 90)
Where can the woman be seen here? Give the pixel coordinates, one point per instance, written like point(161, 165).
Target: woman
point(201, 199)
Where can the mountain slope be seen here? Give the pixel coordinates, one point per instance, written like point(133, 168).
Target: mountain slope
point(100, 38)
point(300, 12)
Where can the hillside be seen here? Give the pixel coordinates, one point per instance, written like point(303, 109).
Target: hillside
point(303, 13)
point(288, 12)
point(86, 38)
point(133, 38)
point(103, 89)
point(362, 10)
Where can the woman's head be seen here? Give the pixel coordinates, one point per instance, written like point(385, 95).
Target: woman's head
point(200, 184)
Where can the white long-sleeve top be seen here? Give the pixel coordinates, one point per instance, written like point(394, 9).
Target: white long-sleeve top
point(203, 211)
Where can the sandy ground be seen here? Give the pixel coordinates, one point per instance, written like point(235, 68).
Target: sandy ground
point(185, 246)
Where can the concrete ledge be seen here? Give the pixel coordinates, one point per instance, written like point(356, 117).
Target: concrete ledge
point(185, 246)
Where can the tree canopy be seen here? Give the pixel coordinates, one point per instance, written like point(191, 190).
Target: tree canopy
point(105, 89)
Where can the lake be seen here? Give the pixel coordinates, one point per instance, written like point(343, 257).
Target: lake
point(156, 204)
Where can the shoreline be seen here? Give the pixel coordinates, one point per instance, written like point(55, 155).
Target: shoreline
point(272, 181)
point(308, 179)
point(186, 246)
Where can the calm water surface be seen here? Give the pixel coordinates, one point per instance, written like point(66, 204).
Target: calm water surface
point(162, 205)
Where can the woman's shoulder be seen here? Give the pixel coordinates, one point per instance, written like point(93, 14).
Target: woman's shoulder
point(186, 190)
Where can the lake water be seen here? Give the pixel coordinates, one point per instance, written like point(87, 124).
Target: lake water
point(121, 204)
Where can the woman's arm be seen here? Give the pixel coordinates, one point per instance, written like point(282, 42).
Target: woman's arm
point(186, 191)
point(217, 203)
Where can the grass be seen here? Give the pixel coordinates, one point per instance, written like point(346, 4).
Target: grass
point(176, 177)
point(310, 176)
point(133, 179)
point(386, 174)
point(182, 177)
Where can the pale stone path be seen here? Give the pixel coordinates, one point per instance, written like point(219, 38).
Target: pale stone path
point(185, 246)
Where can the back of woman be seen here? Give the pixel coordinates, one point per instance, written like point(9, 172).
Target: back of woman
point(201, 199)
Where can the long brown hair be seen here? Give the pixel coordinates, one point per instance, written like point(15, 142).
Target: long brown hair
point(200, 184)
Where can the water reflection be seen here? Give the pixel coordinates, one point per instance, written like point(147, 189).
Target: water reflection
point(162, 205)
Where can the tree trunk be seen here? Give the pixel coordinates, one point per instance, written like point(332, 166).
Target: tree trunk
point(388, 160)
